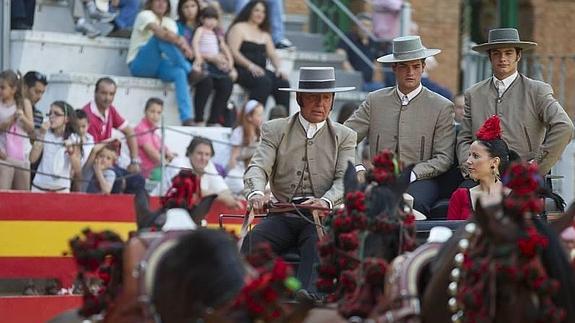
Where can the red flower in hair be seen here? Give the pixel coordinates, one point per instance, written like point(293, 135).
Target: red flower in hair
point(490, 130)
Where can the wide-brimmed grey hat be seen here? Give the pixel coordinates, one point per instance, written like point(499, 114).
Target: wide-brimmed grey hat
point(408, 48)
point(317, 80)
point(501, 38)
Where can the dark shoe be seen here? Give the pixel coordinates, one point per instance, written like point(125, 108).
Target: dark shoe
point(121, 33)
point(189, 123)
point(195, 76)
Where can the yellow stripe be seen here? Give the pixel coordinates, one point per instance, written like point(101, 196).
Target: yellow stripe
point(48, 238)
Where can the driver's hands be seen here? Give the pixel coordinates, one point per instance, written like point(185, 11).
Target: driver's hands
point(316, 202)
point(257, 203)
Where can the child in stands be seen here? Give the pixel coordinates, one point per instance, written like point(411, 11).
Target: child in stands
point(57, 147)
point(244, 140)
point(16, 123)
point(149, 143)
point(98, 172)
point(213, 56)
point(82, 125)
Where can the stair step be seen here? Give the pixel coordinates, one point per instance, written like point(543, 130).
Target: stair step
point(54, 15)
point(295, 23)
point(306, 41)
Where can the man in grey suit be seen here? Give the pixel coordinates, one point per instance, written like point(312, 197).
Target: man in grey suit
point(304, 158)
point(411, 120)
point(533, 122)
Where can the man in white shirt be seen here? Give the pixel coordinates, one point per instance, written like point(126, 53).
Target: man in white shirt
point(533, 122)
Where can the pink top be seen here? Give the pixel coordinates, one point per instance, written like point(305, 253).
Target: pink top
point(386, 18)
point(12, 145)
point(100, 126)
point(209, 44)
point(146, 135)
point(459, 205)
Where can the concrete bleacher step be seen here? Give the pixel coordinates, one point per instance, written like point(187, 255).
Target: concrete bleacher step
point(52, 52)
point(306, 41)
point(54, 15)
point(295, 22)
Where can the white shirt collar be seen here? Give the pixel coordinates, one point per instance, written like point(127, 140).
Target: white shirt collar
point(506, 81)
point(310, 128)
point(96, 112)
point(411, 94)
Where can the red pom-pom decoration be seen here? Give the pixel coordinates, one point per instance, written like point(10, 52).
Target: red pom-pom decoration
point(490, 130)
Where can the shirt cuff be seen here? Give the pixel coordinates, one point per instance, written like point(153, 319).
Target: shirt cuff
point(359, 168)
point(255, 193)
point(328, 202)
point(413, 177)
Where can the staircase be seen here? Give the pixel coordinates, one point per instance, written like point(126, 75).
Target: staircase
point(74, 62)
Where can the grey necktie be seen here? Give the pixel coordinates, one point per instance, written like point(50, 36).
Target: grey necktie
point(500, 87)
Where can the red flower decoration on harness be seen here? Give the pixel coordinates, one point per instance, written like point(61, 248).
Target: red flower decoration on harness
point(185, 190)
point(490, 130)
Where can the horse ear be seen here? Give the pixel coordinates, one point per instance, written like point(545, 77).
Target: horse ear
point(565, 220)
point(199, 211)
point(350, 182)
point(145, 218)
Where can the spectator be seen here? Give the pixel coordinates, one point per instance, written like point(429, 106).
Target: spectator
point(86, 139)
point(276, 14)
point(386, 18)
point(102, 117)
point(98, 172)
point(244, 139)
point(92, 17)
point(251, 45)
point(346, 111)
point(372, 76)
point(279, 111)
point(33, 89)
point(198, 158)
point(156, 50)
point(149, 143)
point(430, 64)
point(188, 18)
point(16, 122)
point(213, 56)
point(127, 11)
point(61, 150)
point(458, 111)
point(22, 14)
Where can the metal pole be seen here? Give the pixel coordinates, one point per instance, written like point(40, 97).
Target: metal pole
point(5, 35)
point(405, 19)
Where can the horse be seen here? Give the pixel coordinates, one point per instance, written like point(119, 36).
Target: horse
point(477, 275)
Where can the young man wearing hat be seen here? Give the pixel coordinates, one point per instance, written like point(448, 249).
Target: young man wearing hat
point(533, 122)
point(304, 158)
point(411, 120)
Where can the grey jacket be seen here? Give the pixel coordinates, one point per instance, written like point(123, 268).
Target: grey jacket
point(284, 151)
point(421, 133)
point(533, 122)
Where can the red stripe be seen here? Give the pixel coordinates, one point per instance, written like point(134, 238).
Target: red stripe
point(34, 309)
point(79, 207)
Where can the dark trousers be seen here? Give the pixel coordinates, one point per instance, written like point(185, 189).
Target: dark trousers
point(425, 193)
point(22, 14)
point(285, 232)
point(222, 88)
point(261, 88)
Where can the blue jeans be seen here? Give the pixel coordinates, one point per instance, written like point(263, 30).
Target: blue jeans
point(164, 60)
point(128, 9)
point(276, 12)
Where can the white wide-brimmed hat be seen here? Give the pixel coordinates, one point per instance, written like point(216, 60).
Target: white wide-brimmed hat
point(317, 80)
point(408, 48)
point(501, 38)
point(409, 201)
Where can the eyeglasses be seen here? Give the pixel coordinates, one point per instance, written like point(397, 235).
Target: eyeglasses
point(54, 113)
